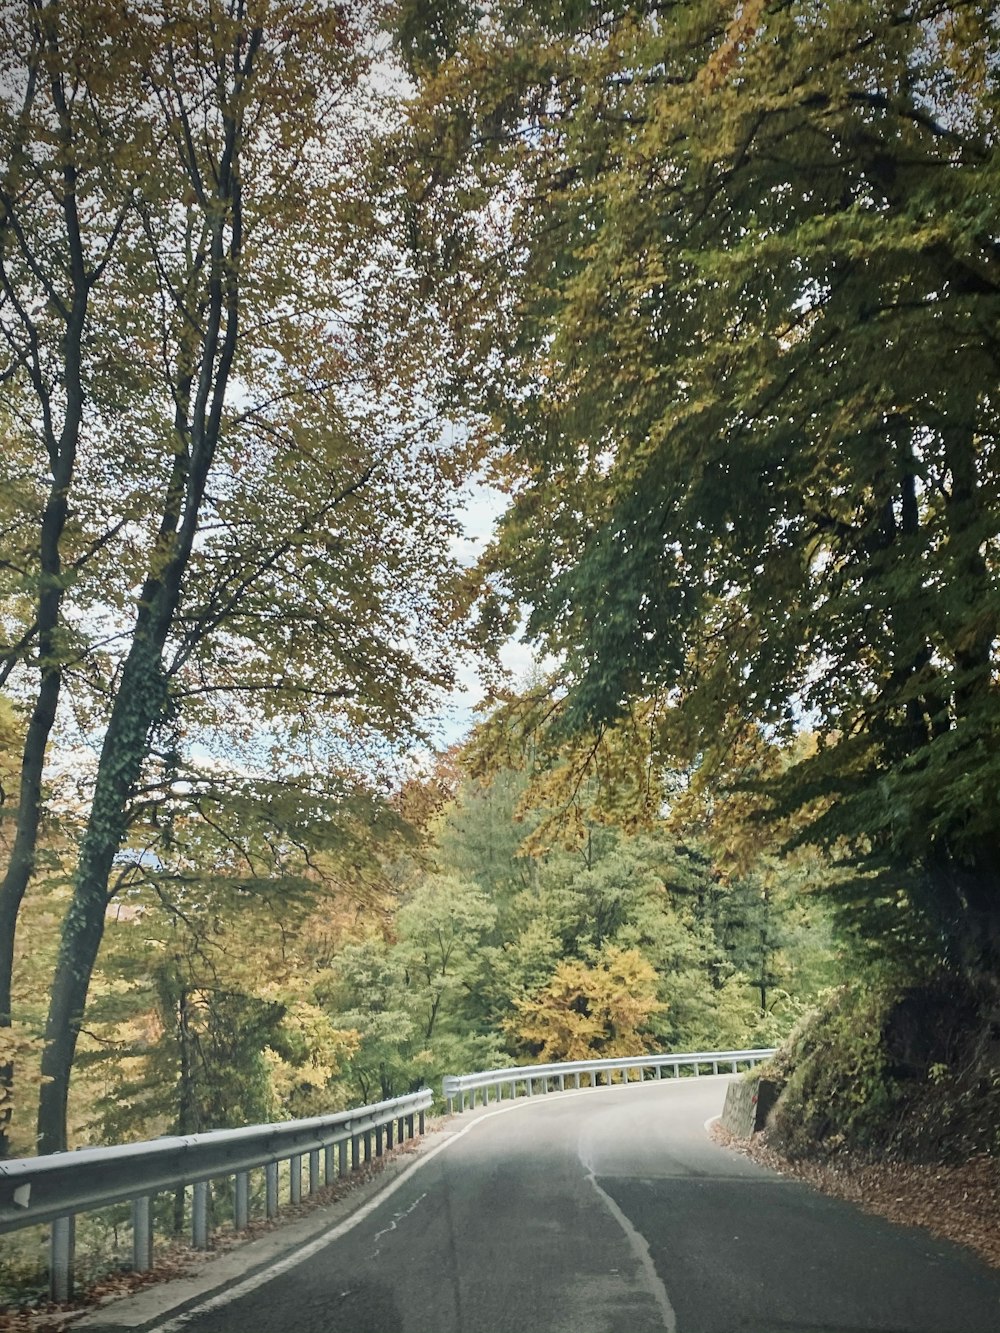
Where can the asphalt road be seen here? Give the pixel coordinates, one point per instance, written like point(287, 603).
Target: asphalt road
point(608, 1211)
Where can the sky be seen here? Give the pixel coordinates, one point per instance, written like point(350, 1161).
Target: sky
point(481, 506)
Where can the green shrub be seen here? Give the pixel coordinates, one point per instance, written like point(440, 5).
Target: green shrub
point(839, 1090)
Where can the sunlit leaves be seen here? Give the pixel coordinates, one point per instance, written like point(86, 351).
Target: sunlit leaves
point(584, 1011)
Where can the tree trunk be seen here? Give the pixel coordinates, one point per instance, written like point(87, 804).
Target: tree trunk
point(62, 451)
point(186, 1119)
point(199, 389)
point(965, 872)
point(21, 867)
point(137, 706)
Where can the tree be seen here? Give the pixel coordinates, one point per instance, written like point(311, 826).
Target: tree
point(588, 1010)
point(479, 835)
point(744, 392)
point(208, 1002)
point(365, 992)
point(201, 1014)
point(60, 217)
point(583, 843)
point(256, 500)
point(441, 925)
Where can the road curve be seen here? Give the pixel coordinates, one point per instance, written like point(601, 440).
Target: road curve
point(606, 1211)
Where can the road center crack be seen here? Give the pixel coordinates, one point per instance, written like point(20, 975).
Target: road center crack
point(640, 1248)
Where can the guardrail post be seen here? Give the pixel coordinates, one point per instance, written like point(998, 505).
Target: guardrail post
point(328, 1171)
point(62, 1247)
point(409, 1124)
point(379, 1139)
point(355, 1152)
point(576, 1079)
point(342, 1157)
point(241, 1202)
point(367, 1136)
point(199, 1215)
point(390, 1126)
point(658, 1071)
point(271, 1190)
point(423, 1123)
point(313, 1170)
point(142, 1235)
point(624, 1075)
point(528, 1082)
point(295, 1178)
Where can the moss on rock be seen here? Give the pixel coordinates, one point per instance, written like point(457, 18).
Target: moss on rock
point(899, 1071)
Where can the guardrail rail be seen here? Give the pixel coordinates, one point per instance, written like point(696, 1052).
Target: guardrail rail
point(524, 1080)
point(56, 1188)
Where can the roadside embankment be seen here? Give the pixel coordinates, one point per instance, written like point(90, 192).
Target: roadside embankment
point(889, 1099)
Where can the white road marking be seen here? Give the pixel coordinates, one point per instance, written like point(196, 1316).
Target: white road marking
point(405, 1212)
point(640, 1248)
point(305, 1252)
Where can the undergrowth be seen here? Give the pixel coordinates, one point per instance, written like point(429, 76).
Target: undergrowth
point(898, 1071)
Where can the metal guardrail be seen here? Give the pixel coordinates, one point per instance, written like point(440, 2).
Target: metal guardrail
point(56, 1188)
point(459, 1087)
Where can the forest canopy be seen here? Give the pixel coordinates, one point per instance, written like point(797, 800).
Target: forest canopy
point(709, 292)
point(730, 291)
